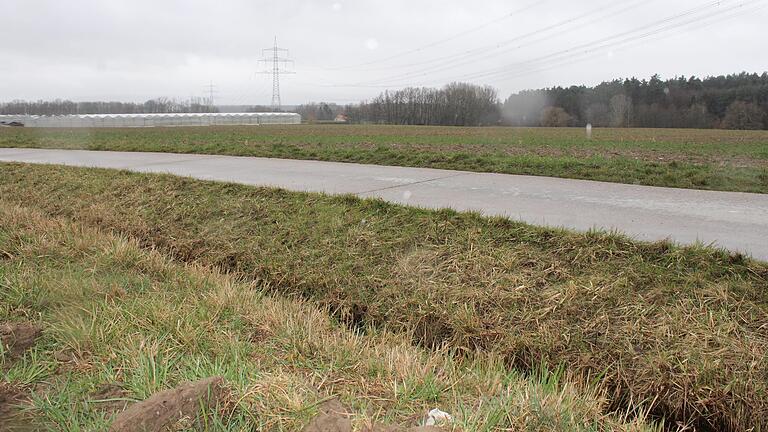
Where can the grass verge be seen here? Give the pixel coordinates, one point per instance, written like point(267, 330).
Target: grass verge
point(681, 329)
point(694, 159)
point(121, 323)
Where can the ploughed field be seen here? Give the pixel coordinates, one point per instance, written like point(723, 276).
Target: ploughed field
point(697, 159)
point(619, 327)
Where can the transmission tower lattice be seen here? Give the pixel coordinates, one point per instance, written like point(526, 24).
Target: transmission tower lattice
point(211, 90)
point(272, 55)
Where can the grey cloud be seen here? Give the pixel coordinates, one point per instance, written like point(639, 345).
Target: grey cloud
point(133, 50)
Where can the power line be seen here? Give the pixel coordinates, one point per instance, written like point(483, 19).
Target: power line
point(445, 40)
point(453, 60)
point(276, 70)
point(595, 45)
point(591, 54)
point(637, 42)
point(677, 16)
point(450, 61)
point(629, 36)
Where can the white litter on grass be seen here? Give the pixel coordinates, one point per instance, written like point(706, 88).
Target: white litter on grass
point(438, 418)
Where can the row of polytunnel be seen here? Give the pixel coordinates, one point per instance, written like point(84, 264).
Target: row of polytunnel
point(151, 120)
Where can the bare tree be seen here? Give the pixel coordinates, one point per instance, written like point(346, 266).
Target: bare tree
point(457, 104)
point(555, 117)
point(744, 115)
point(621, 111)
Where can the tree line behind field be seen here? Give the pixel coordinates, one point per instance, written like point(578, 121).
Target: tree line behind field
point(67, 107)
point(738, 101)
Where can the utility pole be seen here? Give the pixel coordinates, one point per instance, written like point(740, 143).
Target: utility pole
point(272, 55)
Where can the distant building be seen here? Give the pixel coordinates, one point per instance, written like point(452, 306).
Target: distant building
point(341, 118)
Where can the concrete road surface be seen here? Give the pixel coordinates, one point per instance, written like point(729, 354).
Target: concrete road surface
point(737, 221)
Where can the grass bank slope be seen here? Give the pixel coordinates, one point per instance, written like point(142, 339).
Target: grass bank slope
point(696, 159)
point(121, 323)
point(681, 329)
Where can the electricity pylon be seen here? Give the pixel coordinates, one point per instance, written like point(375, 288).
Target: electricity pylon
point(272, 55)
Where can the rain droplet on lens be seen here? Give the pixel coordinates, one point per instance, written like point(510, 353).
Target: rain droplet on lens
point(372, 44)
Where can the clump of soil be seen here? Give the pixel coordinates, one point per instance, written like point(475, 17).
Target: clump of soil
point(15, 338)
point(18, 337)
point(11, 417)
point(335, 417)
point(164, 409)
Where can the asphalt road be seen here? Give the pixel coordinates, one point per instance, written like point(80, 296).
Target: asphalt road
point(733, 220)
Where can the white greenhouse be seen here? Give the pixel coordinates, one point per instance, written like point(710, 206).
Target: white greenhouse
point(150, 120)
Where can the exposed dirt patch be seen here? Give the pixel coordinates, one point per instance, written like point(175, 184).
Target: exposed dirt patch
point(11, 416)
point(167, 408)
point(70, 361)
point(9, 395)
point(110, 398)
point(18, 337)
point(333, 417)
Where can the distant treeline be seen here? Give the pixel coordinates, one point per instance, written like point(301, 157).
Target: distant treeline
point(457, 104)
point(737, 101)
point(66, 107)
point(733, 102)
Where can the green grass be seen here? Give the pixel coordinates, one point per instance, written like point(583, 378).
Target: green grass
point(696, 159)
point(116, 314)
point(681, 329)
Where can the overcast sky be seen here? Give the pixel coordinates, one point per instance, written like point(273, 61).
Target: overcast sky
point(348, 50)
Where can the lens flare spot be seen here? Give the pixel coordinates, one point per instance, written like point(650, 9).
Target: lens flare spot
point(372, 44)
